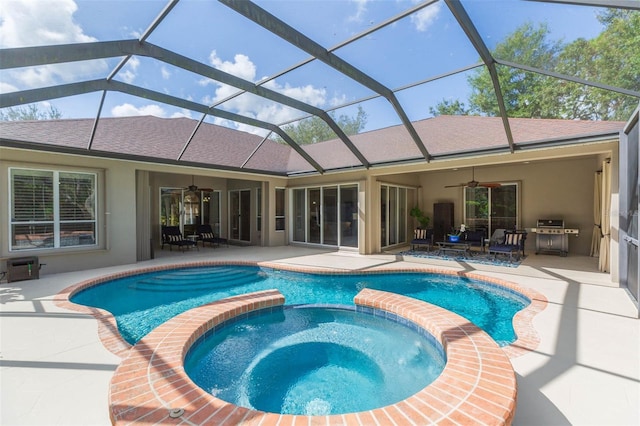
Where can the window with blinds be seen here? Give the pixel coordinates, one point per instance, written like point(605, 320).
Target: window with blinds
point(52, 209)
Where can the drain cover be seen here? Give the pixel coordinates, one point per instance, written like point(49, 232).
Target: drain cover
point(176, 412)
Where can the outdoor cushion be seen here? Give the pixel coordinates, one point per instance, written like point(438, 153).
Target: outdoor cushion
point(512, 244)
point(422, 237)
point(475, 238)
point(207, 235)
point(172, 236)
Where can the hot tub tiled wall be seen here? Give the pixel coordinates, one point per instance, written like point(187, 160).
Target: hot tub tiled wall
point(477, 386)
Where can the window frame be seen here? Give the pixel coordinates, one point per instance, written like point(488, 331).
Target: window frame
point(259, 209)
point(280, 219)
point(300, 201)
point(490, 229)
point(393, 217)
point(58, 221)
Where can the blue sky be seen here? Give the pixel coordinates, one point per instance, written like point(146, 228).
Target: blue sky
point(420, 46)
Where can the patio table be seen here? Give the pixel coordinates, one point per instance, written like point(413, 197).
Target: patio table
point(445, 247)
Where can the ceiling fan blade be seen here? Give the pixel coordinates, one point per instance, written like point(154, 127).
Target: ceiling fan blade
point(195, 188)
point(473, 183)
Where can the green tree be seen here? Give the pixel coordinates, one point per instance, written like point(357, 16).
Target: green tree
point(447, 107)
point(29, 112)
point(611, 58)
point(520, 90)
point(314, 129)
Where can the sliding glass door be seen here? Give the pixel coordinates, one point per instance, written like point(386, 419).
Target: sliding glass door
point(348, 206)
point(326, 215)
point(240, 215)
point(187, 209)
point(299, 217)
point(330, 224)
point(488, 209)
point(393, 215)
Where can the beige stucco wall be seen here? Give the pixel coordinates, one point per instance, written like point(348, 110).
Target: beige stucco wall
point(558, 189)
point(555, 183)
point(115, 211)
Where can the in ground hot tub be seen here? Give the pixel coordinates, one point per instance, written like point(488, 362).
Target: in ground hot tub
point(151, 384)
point(311, 360)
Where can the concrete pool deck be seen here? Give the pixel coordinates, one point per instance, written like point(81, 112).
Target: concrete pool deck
point(55, 369)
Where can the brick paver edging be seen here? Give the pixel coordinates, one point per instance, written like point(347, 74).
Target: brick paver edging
point(477, 385)
point(528, 338)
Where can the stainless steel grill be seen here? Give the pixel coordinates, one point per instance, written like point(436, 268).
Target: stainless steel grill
point(552, 236)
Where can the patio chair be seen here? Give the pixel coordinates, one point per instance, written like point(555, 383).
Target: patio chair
point(512, 244)
point(172, 236)
point(206, 235)
point(422, 237)
point(474, 238)
point(497, 237)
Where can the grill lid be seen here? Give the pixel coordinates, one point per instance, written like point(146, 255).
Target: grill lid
point(550, 223)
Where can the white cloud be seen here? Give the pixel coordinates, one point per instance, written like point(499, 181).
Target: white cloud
point(166, 74)
point(254, 106)
point(134, 33)
point(423, 18)
point(34, 23)
point(133, 63)
point(240, 126)
point(338, 100)
point(182, 113)
point(307, 94)
point(361, 9)
point(240, 67)
point(49, 75)
point(128, 110)
point(7, 88)
point(129, 73)
point(127, 76)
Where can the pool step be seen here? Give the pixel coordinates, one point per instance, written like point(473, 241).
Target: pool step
point(198, 280)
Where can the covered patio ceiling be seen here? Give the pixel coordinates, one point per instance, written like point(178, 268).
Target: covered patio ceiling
point(314, 62)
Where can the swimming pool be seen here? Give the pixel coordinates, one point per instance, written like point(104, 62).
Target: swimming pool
point(308, 360)
point(141, 302)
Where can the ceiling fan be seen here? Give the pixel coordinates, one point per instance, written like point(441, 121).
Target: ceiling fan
point(473, 183)
point(194, 188)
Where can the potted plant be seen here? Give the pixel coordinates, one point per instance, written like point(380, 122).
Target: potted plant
point(454, 237)
point(419, 215)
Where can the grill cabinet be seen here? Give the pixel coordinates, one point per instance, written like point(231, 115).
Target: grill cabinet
point(23, 268)
point(552, 236)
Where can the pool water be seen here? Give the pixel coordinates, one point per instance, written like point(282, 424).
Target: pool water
point(142, 302)
point(314, 361)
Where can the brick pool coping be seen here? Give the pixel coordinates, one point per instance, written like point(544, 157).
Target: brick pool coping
point(477, 385)
point(527, 337)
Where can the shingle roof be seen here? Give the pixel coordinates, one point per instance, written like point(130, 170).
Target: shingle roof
point(452, 134)
point(164, 139)
point(160, 138)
